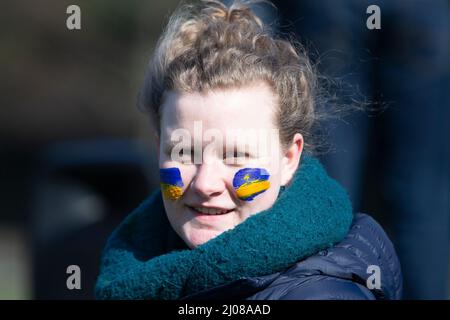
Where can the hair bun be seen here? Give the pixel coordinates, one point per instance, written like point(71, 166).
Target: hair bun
point(238, 13)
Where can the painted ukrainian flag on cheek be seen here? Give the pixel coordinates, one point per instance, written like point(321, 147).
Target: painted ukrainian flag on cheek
point(250, 182)
point(171, 183)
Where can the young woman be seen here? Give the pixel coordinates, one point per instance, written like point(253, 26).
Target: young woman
point(245, 211)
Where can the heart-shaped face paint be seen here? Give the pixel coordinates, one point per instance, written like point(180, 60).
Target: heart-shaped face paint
point(171, 183)
point(250, 182)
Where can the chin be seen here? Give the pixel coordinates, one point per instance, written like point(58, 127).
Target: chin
point(195, 237)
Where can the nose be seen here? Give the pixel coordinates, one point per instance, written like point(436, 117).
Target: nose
point(208, 181)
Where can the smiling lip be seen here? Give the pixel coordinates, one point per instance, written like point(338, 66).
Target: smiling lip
point(208, 213)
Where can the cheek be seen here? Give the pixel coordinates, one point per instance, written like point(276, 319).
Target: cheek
point(250, 182)
point(171, 183)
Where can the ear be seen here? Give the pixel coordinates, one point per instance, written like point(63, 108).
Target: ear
point(291, 159)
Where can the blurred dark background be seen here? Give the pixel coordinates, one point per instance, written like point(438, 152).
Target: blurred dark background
point(77, 156)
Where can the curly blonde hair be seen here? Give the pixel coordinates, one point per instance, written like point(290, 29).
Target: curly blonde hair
point(210, 45)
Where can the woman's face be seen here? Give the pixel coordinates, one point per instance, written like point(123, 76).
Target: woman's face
point(220, 159)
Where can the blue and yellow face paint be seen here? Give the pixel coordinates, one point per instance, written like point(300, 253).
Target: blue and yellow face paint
point(171, 183)
point(250, 182)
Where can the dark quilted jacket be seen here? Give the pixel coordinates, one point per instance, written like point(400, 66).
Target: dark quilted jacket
point(339, 273)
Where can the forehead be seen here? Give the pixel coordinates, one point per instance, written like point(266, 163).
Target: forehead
point(251, 107)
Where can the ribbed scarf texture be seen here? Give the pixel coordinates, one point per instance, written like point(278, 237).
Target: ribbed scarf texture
point(312, 214)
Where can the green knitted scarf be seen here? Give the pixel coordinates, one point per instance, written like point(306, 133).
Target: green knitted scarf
point(312, 214)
